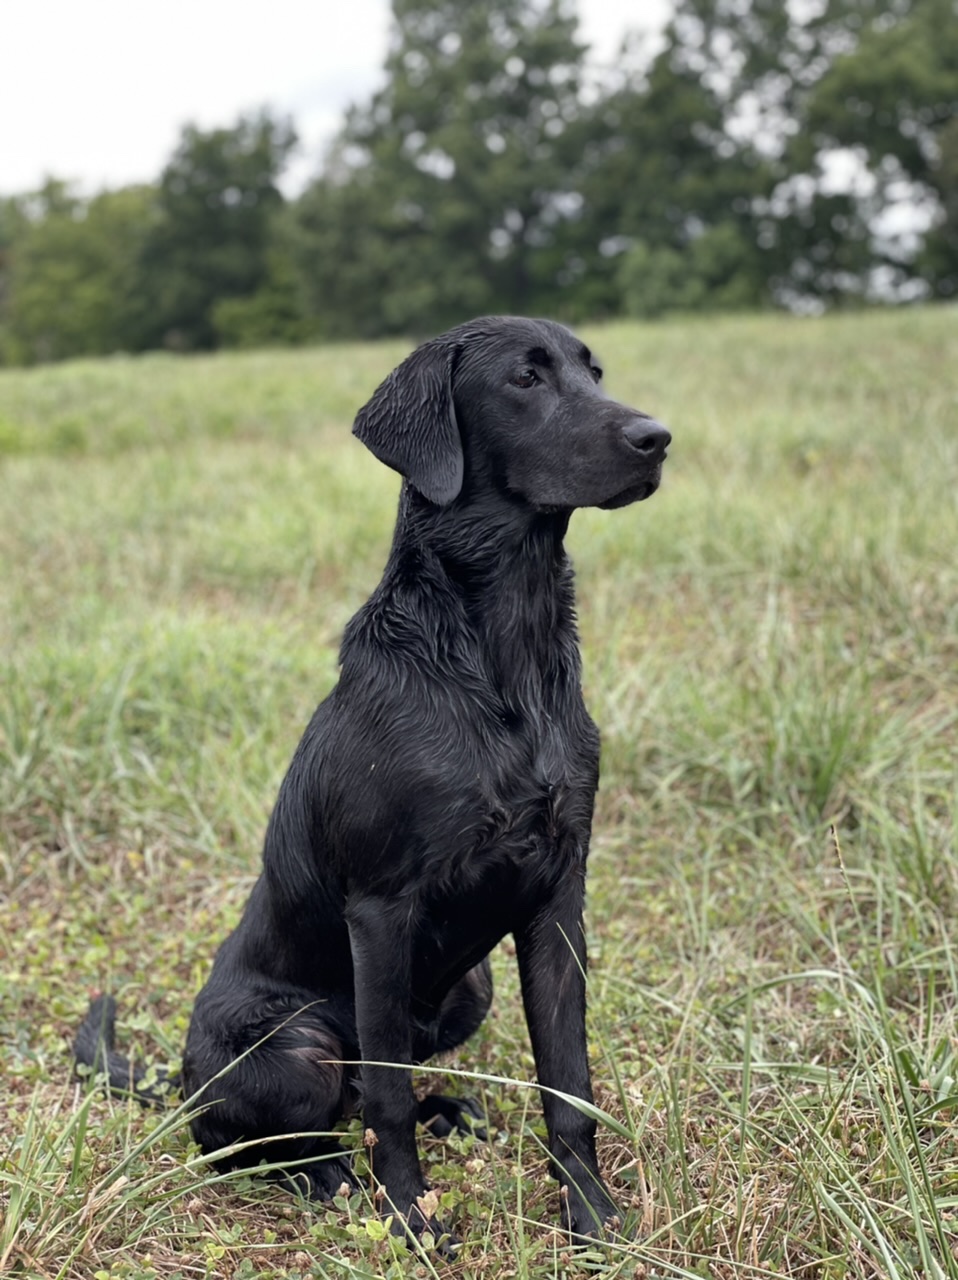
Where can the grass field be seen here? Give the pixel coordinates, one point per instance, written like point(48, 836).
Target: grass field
point(771, 651)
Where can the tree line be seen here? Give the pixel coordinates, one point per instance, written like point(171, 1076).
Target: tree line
point(762, 154)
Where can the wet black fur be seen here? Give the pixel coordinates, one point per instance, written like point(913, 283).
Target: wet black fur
point(442, 794)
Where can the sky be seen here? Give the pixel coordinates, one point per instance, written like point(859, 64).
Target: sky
point(97, 92)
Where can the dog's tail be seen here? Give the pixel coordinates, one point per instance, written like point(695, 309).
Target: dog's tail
point(94, 1048)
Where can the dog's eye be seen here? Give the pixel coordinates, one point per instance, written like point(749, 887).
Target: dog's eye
point(526, 378)
point(597, 373)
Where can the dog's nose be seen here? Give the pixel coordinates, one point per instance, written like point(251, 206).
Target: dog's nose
point(648, 437)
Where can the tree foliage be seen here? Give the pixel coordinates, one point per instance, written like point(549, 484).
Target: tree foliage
point(668, 199)
point(893, 99)
point(851, 102)
point(762, 153)
point(446, 194)
point(210, 239)
point(71, 284)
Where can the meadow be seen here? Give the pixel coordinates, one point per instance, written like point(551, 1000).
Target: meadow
point(771, 651)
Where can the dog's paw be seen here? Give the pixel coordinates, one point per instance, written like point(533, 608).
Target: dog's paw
point(441, 1115)
point(325, 1179)
point(590, 1221)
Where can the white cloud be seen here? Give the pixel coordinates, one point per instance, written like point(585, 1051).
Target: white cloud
point(98, 92)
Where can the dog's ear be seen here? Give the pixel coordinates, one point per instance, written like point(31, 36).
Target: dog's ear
point(410, 423)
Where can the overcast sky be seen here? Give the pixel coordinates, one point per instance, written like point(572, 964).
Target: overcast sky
point(97, 91)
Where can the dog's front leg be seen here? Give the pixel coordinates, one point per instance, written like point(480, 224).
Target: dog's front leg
point(552, 959)
point(380, 945)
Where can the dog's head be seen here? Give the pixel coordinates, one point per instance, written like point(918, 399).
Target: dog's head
point(515, 406)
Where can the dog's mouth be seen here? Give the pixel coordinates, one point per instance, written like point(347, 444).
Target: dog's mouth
point(634, 493)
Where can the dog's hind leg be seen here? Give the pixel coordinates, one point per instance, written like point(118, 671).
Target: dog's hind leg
point(277, 1100)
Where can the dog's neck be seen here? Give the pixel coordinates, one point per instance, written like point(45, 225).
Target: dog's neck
point(507, 570)
point(482, 533)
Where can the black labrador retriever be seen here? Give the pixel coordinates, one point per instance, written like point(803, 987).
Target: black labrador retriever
point(442, 794)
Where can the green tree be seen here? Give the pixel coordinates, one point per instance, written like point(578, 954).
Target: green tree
point(12, 221)
point(668, 196)
point(894, 99)
point(211, 237)
point(448, 193)
point(845, 100)
point(70, 287)
point(937, 260)
point(272, 316)
point(717, 271)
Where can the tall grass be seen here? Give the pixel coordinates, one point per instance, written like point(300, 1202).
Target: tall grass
point(771, 650)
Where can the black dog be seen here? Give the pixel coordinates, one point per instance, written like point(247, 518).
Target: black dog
point(442, 794)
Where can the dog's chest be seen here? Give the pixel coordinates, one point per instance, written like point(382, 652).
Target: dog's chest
point(516, 831)
point(528, 810)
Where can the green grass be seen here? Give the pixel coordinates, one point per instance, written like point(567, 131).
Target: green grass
point(771, 650)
